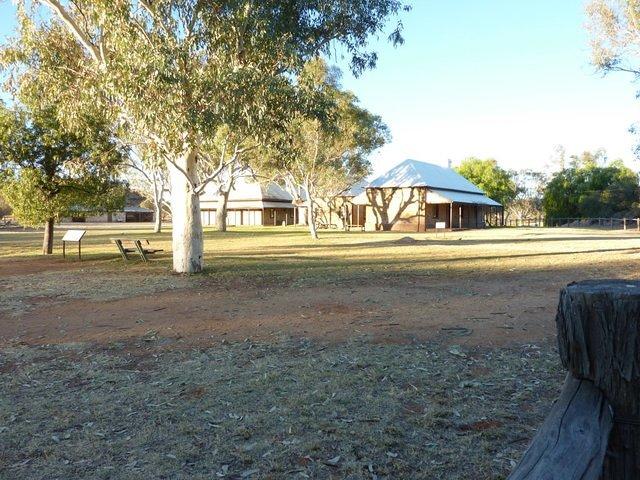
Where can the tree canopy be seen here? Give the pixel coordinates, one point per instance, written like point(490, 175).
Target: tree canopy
point(323, 156)
point(615, 27)
point(527, 202)
point(587, 190)
point(496, 182)
point(49, 172)
point(173, 72)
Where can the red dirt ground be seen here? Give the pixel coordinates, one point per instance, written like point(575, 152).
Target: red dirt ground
point(486, 310)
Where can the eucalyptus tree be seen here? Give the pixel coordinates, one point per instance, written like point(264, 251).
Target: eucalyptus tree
point(320, 157)
point(49, 172)
point(175, 71)
point(148, 174)
point(614, 26)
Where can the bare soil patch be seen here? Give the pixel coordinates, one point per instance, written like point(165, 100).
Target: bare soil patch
point(473, 311)
point(10, 266)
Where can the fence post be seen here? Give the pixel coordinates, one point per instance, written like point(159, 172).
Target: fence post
point(593, 430)
point(624, 223)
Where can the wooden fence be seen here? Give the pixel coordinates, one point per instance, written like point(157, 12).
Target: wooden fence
point(608, 223)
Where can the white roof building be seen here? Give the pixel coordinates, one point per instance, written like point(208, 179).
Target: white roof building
point(249, 193)
point(443, 185)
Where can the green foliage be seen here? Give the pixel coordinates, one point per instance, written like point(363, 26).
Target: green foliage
point(614, 26)
point(328, 153)
point(174, 72)
point(588, 190)
point(51, 172)
point(496, 182)
point(5, 208)
point(530, 187)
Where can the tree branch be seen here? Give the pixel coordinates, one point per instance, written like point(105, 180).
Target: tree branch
point(56, 7)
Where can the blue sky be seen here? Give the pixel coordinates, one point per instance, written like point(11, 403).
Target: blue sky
point(508, 79)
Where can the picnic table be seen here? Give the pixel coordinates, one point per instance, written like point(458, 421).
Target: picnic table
point(141, 246)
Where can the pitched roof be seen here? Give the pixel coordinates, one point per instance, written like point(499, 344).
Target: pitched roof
point(437, 196)
point(248, 188)
point(355, 189)
point(413, 173)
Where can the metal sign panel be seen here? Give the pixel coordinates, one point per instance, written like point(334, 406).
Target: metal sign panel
point(73, 235)
point(440, 225)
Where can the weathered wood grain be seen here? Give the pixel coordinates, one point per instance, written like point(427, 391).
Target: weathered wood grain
point(593, 432)
point(572, 442)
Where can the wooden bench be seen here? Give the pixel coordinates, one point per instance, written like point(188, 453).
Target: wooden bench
point(326, 226)
point(134, 245)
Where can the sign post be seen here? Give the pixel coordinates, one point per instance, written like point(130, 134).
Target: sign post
point(441, 226)
point(73, 236)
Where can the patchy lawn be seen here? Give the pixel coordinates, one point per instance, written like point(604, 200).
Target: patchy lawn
point(271, 411)
point(361, 355)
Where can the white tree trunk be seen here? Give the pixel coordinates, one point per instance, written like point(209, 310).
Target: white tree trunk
point(158, 198)
point(157, 225)
point(221, 211)
point(185, 216)
point(311, 215)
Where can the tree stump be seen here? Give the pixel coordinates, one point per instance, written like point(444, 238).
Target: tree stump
point(593, 431)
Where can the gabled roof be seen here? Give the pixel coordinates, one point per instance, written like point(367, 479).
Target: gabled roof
point(249, 189)
point(246, 188)
point(355, 189)
point(413, 173)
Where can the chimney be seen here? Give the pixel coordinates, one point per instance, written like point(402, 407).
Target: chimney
point(449, 163)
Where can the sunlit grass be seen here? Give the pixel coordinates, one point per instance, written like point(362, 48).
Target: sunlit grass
point(289, 252)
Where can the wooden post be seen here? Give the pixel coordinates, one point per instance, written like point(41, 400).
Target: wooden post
point(624, 223)
point(460, 217)
point(451, 216)
point(593, 431)
point(638, 224)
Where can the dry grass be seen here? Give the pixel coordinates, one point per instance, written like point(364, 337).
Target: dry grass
point(289, 410)
point(288, 254)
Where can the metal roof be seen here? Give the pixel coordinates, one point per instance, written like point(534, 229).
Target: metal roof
point(436, 196)
point(449, 196)
point(248, 188)
point(355, 189)
point(413, 173)
point(137, 209)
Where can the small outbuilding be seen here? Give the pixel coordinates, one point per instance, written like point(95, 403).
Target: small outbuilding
point(132, 212)
point(415, 196)
point(250, 203)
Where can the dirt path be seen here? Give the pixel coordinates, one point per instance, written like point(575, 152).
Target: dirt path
point(483, 311)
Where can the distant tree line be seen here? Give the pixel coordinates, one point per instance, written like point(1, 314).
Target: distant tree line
point(585, 186)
